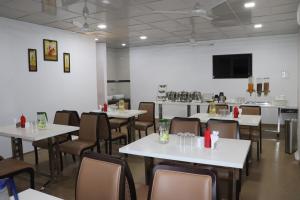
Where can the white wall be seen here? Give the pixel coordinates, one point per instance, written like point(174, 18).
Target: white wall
point(185, 67)
point(49, 89)
point(118, 69)
point(101, 73)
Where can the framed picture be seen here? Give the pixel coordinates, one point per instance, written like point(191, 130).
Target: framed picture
point(50, 50)
point(32, 60)
point(67, 64)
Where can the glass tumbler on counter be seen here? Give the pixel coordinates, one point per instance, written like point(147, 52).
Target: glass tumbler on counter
point(163, 131)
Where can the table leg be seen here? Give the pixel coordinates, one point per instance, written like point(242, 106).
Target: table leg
point(160, 111)
point(260, 137)
point(131, 129)
point(198, 109)
point(234, 192)
point(54, 158)
point(17, 148)
point(148, 169)
point(188, 110)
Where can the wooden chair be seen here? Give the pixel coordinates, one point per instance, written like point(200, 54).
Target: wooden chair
point(105, 133)
point(146, 120)
point(74, 120)
point(11, 167)
point(184, 124)
point(104, 177)
point(117, 123)
point(177, 183)
point(88, 136)
point(252, 133)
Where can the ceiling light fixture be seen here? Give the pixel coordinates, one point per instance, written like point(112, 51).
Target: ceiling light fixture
point(96, 39)
point(123, 45)
point(105, 1)
point(143, 37)
point(250, 4)
point(258, 25)
point(102, 26)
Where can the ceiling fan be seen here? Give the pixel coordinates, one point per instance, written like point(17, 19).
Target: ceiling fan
point(85, 27)
point(197, 11)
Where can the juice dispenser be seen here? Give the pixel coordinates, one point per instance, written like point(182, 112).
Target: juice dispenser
point(250, 85)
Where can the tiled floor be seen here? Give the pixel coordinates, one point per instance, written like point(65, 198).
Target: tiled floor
point(276, 176)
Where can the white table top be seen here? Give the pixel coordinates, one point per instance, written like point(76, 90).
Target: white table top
point(247, 120)
point(34, 134)
point(31, 194)
point(193, 103)
point(228, 152)
point(123, 114)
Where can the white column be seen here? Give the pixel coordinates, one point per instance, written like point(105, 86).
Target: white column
point(101, 61)
point(297, 154)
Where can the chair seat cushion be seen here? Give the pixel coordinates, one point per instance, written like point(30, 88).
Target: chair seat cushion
point(75, 147)
point(9, 166)
point(116, 135)
point(140, 125)
point(44, 143)
point(117, 122)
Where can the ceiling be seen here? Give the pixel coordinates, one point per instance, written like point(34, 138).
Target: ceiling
point(128, 19)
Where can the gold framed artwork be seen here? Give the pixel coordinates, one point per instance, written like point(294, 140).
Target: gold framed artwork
point(50, 50)
point(67, 64)
point(32, 60)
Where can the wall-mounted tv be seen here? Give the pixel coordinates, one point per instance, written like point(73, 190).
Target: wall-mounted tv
point(232, 66)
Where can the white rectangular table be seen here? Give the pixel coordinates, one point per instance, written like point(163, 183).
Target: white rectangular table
point(126, 114)
point(34, 134)
point(230, 153)
point(31, 194)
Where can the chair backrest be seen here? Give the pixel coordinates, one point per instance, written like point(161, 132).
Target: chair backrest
point(150, 108)
point(184, 124)
point(88, 127)
point(104, 130)
point(226, 128)
point(74, 119)
point(251, 110)
point(177, 183)
point(100, 177)
point(62, 118)
point(218, 107)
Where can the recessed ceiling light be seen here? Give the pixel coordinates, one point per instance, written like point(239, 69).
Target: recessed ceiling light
point(250, 4)
point(258, 25)
point(96, 39)
point(102, 26)
point(143, 37)
point(123, 45)
point(106, 1)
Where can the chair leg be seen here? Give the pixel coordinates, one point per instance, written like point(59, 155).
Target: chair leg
point(31, 174)
point(257, 150)
point(146, 132)
point(61, 162)
point(106, 147)
point(74, 158)
point(110, 147)
point(36, 155)
point(154, 126)
point(140, 134)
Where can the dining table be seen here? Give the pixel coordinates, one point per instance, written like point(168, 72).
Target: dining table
point(33, 133)
point(31, 194)
point(130, 115)
point(228, 153)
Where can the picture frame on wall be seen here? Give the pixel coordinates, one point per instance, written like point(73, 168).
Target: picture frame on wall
point(50, 50)
point(67, 63)
point(32, 60)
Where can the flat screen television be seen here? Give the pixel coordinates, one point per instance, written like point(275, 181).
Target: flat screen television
point(232, 66)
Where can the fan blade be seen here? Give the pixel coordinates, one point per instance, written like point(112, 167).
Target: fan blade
point(172, 12)
point(78, 24)
point(216, 4)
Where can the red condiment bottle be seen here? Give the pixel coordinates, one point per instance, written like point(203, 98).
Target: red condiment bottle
point(207, 139)
point(22, 121)
point(236, 112)
point(105, 107)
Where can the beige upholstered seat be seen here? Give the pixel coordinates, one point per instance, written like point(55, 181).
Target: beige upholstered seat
point(251, 133)
point(74, 120)
point(117, 123)
point(105, 133)
point(88, 136)
point(146, 120)
point(183, 125)
point(62, 118)
point(11, 167)
point(177, 183)
point(104, 177)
